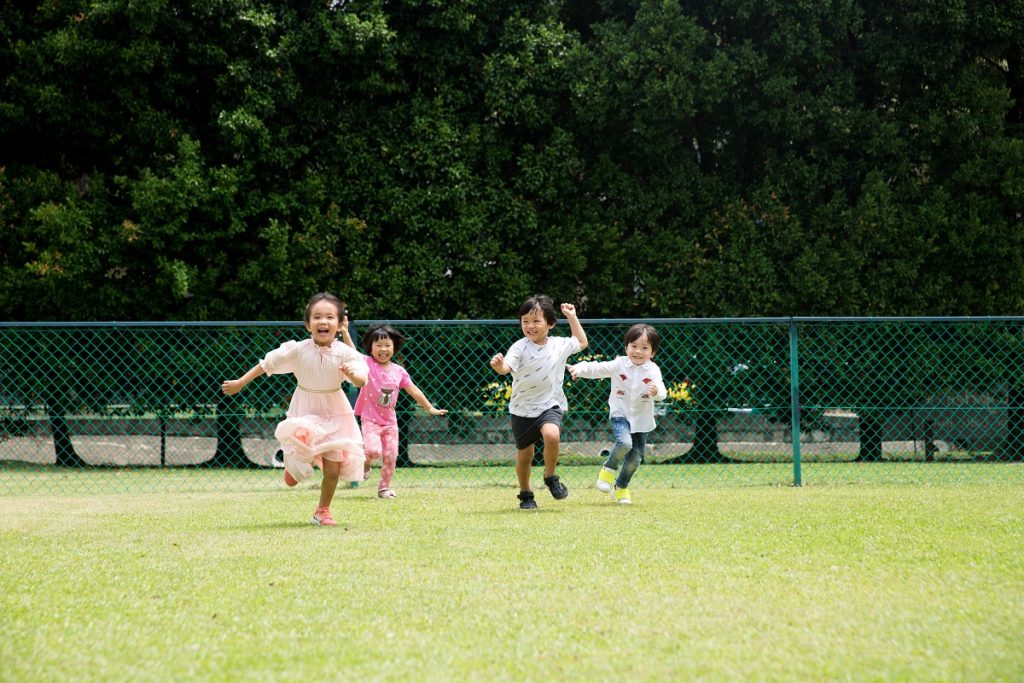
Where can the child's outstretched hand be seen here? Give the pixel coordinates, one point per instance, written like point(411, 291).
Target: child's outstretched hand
point(572, 371)
point(568, 310)
point(437, 411)
point(497, 361)
point(231, 387)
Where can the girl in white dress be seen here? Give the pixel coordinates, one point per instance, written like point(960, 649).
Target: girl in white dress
point(320, 428)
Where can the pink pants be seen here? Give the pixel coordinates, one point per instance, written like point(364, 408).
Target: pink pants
point(381, 441)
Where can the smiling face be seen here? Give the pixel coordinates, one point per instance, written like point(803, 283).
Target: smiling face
point(383, 350)
point(535, 326)
point(639, 351)
point(322, 322)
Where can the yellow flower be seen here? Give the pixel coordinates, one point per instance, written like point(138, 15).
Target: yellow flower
point(680, 392)
point(497, 394)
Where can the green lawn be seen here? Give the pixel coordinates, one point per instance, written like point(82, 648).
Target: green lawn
point(27, 479)
point(863, 582)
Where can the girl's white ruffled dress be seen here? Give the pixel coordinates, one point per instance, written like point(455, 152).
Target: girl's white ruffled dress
point(320, 424)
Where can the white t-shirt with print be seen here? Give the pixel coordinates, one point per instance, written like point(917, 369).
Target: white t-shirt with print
point(538, 374)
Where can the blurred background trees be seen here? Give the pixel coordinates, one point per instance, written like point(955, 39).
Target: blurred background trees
point(210, 161)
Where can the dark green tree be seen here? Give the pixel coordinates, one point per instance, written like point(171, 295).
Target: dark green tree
point(205, 161)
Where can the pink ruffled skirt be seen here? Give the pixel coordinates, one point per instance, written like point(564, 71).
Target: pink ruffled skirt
point(309, 440)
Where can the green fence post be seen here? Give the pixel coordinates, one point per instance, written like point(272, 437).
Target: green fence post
point(794, 399)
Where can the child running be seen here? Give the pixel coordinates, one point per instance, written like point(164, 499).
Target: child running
point(537, 363)
point(376, 403)
point(320, 428)
point(636, 385)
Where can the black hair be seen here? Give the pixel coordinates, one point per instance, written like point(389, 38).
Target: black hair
point(544, 303)
point(323, 296)
point(640, 330)
point(382, 332)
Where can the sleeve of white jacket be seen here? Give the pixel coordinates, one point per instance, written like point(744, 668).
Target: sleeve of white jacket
point(662, 391)
point(591, 369)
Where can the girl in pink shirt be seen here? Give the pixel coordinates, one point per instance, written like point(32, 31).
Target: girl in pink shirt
point(377, 398)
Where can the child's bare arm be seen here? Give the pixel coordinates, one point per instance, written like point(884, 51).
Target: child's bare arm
point(499, 364)
point(232, 386)
point(421, 399)
point(346, 338)
point(569, 311)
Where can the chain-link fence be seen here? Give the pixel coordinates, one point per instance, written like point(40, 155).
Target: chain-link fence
point(782, 401)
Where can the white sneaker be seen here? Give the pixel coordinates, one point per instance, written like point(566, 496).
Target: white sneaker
point(605, 480)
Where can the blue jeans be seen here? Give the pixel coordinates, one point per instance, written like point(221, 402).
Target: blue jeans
point(628, 448)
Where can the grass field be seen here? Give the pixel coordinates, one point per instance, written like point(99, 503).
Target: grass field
point(859, 582)
point(31, 479)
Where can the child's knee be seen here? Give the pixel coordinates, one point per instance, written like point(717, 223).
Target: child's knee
point(550, 433)
point(623, 445)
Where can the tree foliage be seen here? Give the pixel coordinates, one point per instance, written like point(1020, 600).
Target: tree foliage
point(424, 159)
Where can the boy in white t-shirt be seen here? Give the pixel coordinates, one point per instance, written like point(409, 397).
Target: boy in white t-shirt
point(537, 364)
point(636, 385)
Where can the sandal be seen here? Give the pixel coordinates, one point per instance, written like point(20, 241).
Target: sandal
point(386, 493)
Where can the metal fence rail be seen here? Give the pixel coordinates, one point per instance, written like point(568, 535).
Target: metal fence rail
point(137, 406)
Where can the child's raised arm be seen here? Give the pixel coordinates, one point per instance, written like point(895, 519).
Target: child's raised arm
point(346, 338)
point(569, 311)
point(232, 386)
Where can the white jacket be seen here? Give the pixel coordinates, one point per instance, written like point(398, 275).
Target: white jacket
point(629, 382)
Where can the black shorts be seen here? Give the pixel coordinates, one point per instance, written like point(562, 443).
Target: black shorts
point(526, 430)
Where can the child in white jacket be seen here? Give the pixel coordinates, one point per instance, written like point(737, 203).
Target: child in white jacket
point(636, 385)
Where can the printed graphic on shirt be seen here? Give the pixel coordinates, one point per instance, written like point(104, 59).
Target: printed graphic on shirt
point(537, 374)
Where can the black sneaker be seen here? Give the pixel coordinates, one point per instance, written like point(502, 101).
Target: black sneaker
point(556, 487)
point(527, 501)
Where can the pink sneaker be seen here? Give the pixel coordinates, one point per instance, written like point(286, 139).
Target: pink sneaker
point(322, 517)
point(289, 480)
